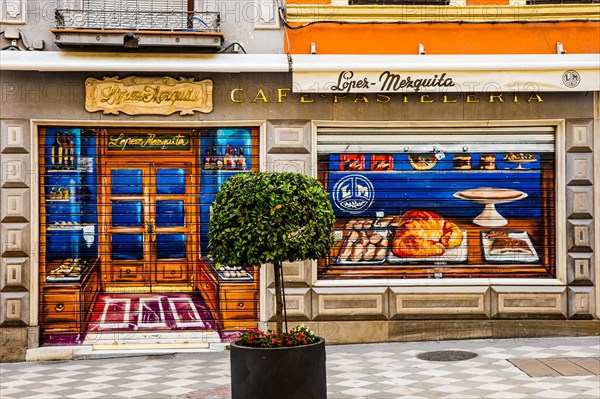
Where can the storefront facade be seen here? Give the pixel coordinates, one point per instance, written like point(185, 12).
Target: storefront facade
point(105, 216)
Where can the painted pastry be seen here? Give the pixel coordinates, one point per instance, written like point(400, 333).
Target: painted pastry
point(497, 234)
point(462, 162)
point(380, 253)
point(425, 233)
point(502, 246)
point(375, 238)
point(370, 252)
point(357, 253)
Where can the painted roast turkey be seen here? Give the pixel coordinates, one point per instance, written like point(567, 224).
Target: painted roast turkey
point(425, 233)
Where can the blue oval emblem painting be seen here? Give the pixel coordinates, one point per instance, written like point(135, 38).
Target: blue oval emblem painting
point(353, 194)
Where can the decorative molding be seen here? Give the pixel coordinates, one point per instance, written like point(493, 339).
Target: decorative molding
point(13, 12)
point(266, 14)
point(416, 13)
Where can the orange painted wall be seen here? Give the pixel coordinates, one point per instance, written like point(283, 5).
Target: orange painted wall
point(447, 38)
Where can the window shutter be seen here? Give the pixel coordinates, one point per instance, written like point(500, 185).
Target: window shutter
point(377, 176)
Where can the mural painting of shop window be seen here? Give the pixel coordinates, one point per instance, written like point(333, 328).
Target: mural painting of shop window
point(465, 213)
point(124, 216)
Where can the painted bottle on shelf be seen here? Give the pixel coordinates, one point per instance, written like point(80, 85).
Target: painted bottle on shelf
point(52, 194)
point(71, 151)
point(56, 151)
point(220, 159)
point(242, 159)
point(207, 160)
point(66, 151)
point(235, 159)
point(228, 159)
point(213, 158)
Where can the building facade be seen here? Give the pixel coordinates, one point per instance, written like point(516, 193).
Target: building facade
point(463, 180)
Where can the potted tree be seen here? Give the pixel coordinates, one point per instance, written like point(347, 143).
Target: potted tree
point(269, 218)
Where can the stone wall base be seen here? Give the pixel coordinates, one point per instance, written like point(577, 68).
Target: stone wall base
point(353, 332)
point(14, 342)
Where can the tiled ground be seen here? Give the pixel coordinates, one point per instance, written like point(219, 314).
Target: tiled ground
point(378, 371)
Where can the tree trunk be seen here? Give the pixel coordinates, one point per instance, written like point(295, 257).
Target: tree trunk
point(278, 298)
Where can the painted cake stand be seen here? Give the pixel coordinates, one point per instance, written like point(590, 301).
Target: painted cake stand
point(489, 197)
point(521, 162)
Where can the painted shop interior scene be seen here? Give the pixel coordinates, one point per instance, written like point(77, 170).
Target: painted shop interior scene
point(124, 232)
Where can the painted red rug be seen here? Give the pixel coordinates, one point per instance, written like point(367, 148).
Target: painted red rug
point(138, 312)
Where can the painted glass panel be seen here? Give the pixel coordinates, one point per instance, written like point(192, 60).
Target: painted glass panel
point(126, 246)
point(170, 181)
point(127, 181)
point(127, 213)
point(170, 213)
point(171, 246)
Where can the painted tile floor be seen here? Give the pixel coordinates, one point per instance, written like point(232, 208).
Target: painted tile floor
point(378, 371)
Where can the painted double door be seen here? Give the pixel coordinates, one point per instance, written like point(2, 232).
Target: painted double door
point(148, 216)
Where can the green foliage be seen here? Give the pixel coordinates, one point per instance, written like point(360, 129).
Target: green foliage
point(270, 217)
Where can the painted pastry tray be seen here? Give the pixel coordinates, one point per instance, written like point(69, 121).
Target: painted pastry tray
point(221, 272)
point(346, 262)
point(247, 277)
point(68, 279)
point(509, 257)
point(456, 254)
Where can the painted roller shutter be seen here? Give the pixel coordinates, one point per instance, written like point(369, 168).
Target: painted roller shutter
point(483, 180)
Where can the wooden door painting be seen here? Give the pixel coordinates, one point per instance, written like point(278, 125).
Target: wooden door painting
point(473, 205)
point(147, 212)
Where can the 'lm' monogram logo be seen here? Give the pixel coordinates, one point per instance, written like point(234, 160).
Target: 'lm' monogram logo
point(353, 194)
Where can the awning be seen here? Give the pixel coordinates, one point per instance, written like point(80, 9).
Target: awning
point(445, 73)
point(346, 73)
point(67, 61)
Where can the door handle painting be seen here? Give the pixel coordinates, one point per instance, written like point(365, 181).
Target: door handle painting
point(152, 230)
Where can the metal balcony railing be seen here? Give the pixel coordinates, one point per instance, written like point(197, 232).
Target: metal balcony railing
point(137, 20)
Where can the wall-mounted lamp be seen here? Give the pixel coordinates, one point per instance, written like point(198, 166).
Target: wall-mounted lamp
point(560, 49)
point(422, 49)
point(313, 48)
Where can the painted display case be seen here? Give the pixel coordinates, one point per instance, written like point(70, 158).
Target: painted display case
point(68, 231)
point(69, 202)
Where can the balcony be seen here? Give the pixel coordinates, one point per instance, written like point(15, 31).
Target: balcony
point(132, 29)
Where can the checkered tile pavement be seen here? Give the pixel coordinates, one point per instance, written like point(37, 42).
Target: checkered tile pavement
point(378, 371)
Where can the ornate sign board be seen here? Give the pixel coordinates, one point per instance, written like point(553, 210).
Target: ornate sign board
point(148, 142)
point(148, 96)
